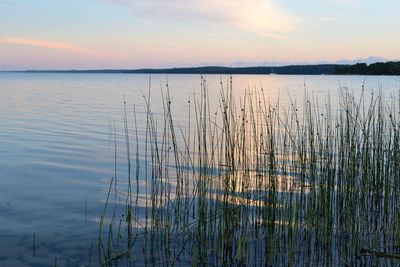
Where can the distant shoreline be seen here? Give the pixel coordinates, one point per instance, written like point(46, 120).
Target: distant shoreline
point(388, 68)
point(292, 69)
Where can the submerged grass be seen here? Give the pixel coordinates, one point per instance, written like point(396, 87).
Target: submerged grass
point(260, 183)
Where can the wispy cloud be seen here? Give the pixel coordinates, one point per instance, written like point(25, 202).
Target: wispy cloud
point(346, 1)
point(8, 3)
point(328, 19)
point(259, 16)
point(337, 18)
point(54, 45)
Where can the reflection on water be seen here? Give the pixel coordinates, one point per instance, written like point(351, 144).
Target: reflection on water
point(57, 148)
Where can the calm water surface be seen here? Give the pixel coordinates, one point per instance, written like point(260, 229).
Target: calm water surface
point(57, 150)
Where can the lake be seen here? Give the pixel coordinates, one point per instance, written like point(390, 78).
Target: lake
point(61, 133)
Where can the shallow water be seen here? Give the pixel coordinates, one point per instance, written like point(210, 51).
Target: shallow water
point(57, 150)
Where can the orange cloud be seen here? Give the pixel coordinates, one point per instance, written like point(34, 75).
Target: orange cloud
point(55, 45)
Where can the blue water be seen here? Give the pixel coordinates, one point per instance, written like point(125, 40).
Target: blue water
point(57, 146)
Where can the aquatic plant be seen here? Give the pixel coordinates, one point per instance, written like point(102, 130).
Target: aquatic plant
point(259, 183)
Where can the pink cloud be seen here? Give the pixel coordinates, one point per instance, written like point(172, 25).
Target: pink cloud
point(55, 45)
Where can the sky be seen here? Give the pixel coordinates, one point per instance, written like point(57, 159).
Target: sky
point(98, 34)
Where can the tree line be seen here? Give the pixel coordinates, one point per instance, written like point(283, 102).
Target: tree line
point(380, 68)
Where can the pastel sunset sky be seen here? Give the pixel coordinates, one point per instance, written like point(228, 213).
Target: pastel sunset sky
point(93, 34)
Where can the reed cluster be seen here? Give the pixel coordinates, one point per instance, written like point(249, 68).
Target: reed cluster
point(259, 183)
